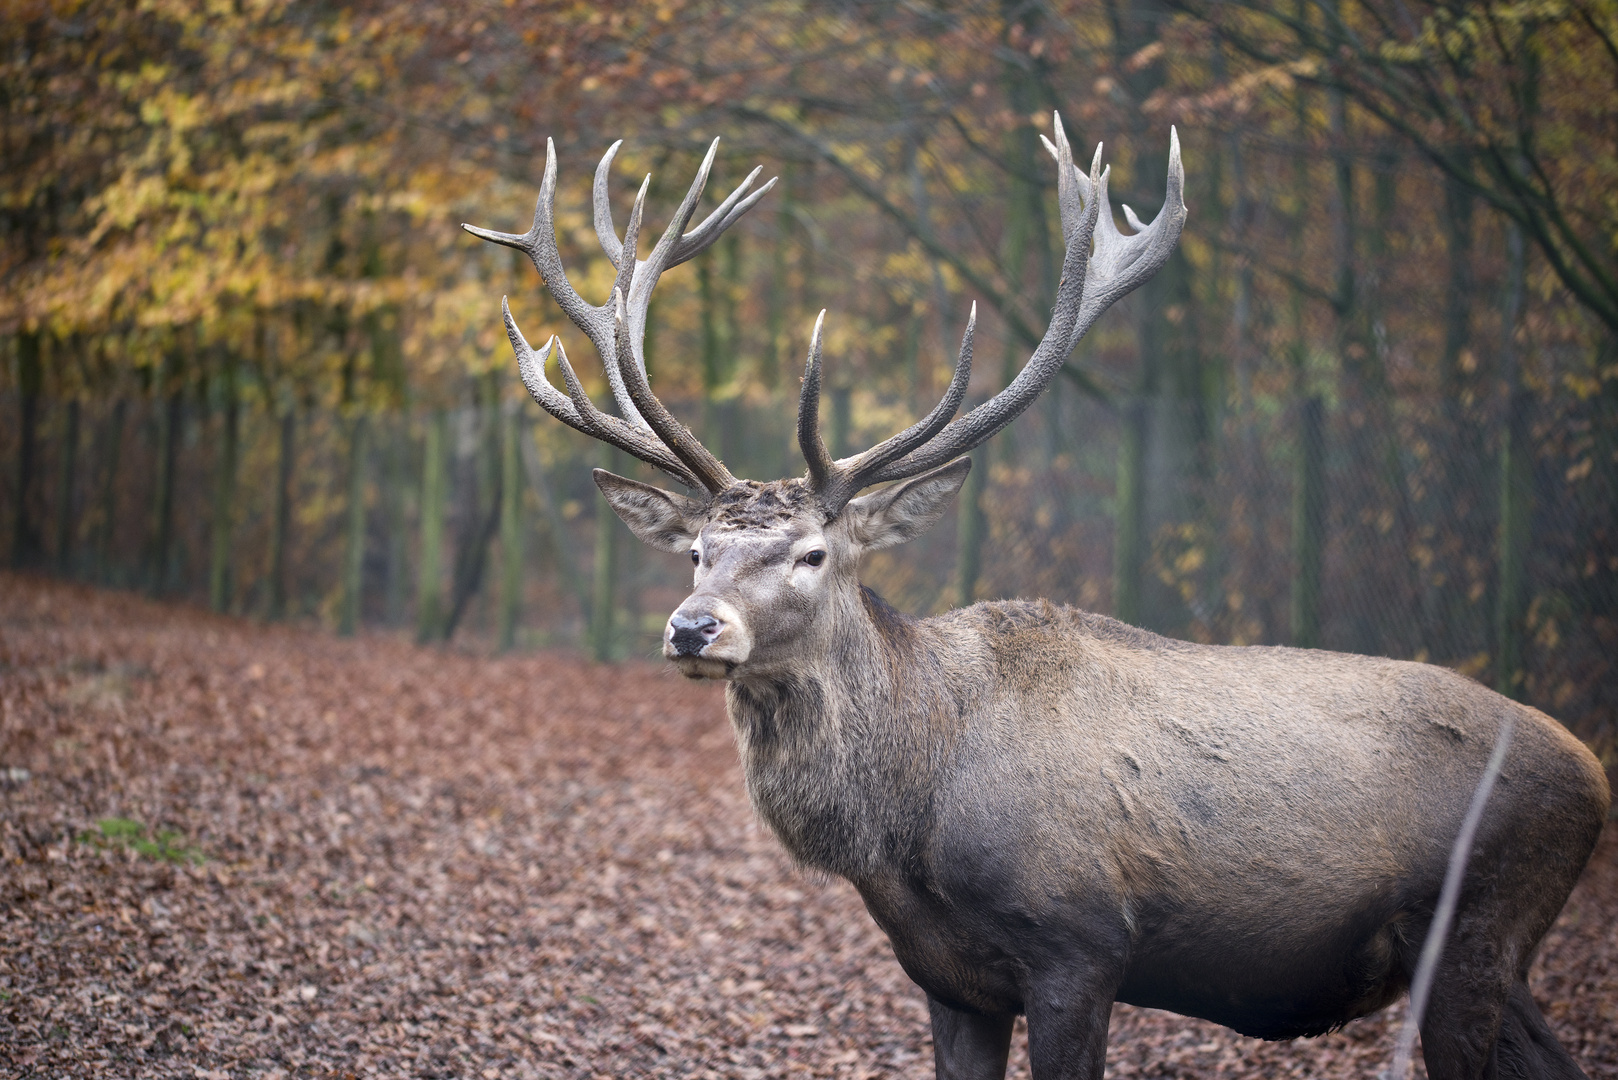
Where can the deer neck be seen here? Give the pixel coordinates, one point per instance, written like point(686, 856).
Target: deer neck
point(839, 751)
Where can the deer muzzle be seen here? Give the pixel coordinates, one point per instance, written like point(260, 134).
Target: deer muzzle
point(706, 640)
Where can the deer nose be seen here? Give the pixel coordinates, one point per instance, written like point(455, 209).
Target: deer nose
point(692, 633)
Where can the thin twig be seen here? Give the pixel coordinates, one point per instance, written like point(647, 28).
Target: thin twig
point(1433, 947)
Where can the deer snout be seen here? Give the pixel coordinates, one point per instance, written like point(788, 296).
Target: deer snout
point(690, 634)
point(707, 638)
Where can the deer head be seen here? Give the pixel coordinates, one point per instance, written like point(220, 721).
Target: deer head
point(776, 564)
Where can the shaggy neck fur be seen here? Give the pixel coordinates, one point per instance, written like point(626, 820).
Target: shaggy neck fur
point(841, 751)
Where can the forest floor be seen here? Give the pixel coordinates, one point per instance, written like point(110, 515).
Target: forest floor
point(231, 850)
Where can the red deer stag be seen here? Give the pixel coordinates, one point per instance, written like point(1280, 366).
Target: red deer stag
point(1047, 810)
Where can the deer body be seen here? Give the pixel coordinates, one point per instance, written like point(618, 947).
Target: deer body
point(1254, 836)
point(1047, 810)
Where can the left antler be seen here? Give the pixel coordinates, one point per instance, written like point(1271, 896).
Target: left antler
point(617, 328)
point(1091, 282)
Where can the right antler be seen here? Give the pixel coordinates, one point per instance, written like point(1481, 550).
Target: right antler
point(617, 328)
point(1090, 283)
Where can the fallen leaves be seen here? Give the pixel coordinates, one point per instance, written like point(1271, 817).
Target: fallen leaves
point(424, 863)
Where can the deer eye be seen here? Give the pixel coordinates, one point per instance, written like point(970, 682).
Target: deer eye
point(696, 557)
point(815, 558)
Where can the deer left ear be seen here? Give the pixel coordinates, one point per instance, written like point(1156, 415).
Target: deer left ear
point(905, 511)
point(660, 518)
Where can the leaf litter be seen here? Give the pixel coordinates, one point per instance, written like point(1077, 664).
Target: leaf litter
point(232, 850)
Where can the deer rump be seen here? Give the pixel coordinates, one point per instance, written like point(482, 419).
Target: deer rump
point(1047, 810)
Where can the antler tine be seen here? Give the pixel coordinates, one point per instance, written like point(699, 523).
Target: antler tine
point(1073, 187)
point(612, 430)
point(539, 244)
point(577, 411)
point(601, 202)
point(696, 457)
point(637, 298)
point(1090, 283)
point(626, 277)
point(725, 215)
point(531, 368)
point(821, 468)
point(844, 478)
point(1122, 263)
point(692, 243)
point(977, 426)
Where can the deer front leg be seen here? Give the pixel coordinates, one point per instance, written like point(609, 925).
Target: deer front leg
point(1067, 1029)
point(969, 1046)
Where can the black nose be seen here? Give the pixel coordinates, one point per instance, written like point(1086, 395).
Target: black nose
point(692, 633)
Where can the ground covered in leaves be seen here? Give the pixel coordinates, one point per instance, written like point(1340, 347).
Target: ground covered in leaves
point(232, 850)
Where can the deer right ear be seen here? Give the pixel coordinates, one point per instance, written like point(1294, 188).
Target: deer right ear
point(660, 518)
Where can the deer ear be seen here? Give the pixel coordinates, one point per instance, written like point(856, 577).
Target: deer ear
point(660, 518)
point(905, 511)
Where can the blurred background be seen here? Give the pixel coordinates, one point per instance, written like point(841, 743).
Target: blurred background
point(251, 361)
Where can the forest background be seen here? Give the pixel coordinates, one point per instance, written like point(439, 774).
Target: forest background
point(1371, 404)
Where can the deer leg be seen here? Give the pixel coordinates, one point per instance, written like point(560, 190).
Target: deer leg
point(1067, 1029)
point(969, 1046)
point(1462, 1022)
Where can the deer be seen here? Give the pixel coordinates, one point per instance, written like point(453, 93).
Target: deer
point(1044, 809)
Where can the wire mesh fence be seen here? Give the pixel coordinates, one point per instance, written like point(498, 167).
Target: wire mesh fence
point(1212, 519)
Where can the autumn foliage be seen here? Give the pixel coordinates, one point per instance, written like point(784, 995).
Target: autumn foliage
point(1369, 406)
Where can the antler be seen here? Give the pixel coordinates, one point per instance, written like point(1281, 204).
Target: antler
point(617, 328)
point(1090, 283)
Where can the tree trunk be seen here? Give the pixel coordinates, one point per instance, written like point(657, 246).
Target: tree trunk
point(562, 552)
point(842, 419)
point(472, 548)
point(1308, 501)
point(1308, 521)
point(604, 591)
point(1455, 629)
point(66, 482)
point(354, 545)
point(111, 453)
point(778, 352)
point(281, 520)
point(224, 497)
point(970, 526)
point(429, 591)
point(1516, 487)
point(511, 531)
point(394, 486)
point(26, 547)
point(1129, 540)
point(161, 574)
point(715, 431)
